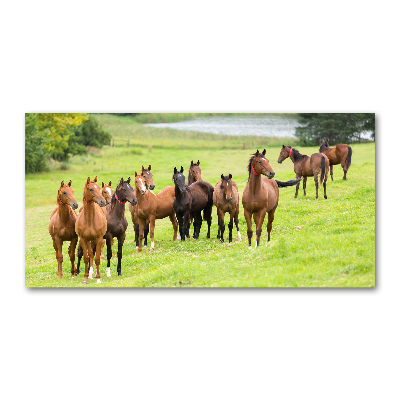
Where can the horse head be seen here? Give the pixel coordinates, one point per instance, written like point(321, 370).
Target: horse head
point(195, 170)
point(226, 186)
point(179, 180)
point(106, 191)
point(148, 176)
point(260, 165)
point(66, 195)
point(124, 192)
point(92, 192)
point(284, 154)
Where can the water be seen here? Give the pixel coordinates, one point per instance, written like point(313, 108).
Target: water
point(238, 125)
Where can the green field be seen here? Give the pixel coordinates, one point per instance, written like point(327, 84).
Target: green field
point(324, 243)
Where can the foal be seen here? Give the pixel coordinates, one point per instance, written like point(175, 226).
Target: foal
point(194, 172)
point(341, 154)
point(226, 199)
point(106, 192)
point(62, 225)
point(148, 178)
point(191, 200)
point(116, 220)
point(305, 166)
point(91, 226)
point(153, 206)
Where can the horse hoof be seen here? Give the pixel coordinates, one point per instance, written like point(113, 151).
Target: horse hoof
point(85, 282)
point(119, 274)
point(98, 280)
point(59, 276)
point(238, 236)
point(221, 240)
point(249, 247)
point(325, 197)
point(208, 236)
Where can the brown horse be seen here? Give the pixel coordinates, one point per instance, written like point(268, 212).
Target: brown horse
point(226, 199)
point(91, 226)
point(148, 178)
point(261, 195)
point(106, 192)
point(341, 154)
point(317, 164)
point(153, 206)
point(62, 225)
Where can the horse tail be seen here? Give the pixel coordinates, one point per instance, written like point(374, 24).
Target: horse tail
point(288, 183)
point(349, 153)
point(323, 172)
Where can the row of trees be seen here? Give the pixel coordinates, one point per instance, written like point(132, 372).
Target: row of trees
point(336, 127)
point(59, 135)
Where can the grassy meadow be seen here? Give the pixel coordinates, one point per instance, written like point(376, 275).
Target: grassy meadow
point(324, 243)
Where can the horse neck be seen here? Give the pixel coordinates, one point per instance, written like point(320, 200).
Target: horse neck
point(117, 207)
point(254, 182)
point(141, 198)
point(295, 157)
point(178, 193)
point(191, 179)
point(63, 210)
point(89, 211)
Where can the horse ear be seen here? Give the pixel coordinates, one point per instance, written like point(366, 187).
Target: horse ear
point(62, 183)
point(102, 184)
point(181, 169)
point(230, 176)
point(198, 162)
point(135, 173)
point(142, 168)
point(121, 181)
point(175, 171)
point(191, 163)
point(283, 146)
point(109, 184)
point(88, 180)
point(264, 151)
point(149, 167)
point(222, 176)
point(70, 183)
point(129, 180)
point(95, 179)
point(257, 153)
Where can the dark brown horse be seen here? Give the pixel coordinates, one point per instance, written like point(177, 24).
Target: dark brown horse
point(191, 200)
point(153, 206)
point(317, 164)
point(261, 195)
point(91, 226)
point(341, 154)
point(226, 199)
point(62, 225)
point(148, 179)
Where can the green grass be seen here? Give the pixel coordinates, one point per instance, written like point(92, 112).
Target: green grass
point(324, 243)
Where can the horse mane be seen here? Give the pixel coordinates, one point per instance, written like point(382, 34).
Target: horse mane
point(296, 154)
point(249, 166)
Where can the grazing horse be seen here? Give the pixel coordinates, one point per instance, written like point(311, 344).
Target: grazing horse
point(194, 172)
point(116, 220)
point(91, 226)
point(62, 225)
point(152, 206)
point(305, 166)
point(191, 200)
point(226, 199)
point(106, 192)
point(148, 180)
point(341, 154)
point(261, 195)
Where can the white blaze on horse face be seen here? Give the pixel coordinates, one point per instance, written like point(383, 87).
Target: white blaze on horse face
point(142, 186)
point(95, 186)
point(109, 191)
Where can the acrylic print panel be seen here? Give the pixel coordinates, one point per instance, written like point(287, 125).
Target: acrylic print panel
point(190, 200)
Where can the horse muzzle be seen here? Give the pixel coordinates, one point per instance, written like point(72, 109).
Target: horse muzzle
point(133, 202)
point(279, 161)
point(271, 175)
point(74, 205)
point(151, 187)
point(102, 203)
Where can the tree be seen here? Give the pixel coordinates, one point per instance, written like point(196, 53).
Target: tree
point(336, 127)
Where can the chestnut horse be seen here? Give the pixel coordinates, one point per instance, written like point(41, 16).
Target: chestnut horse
point(226, 199)
point(91, 226)
point(153, 206)
point(341, 154)
point(106, 192)
point(194, 172)
point(62, 225)
point(148, 178)
point(317, 164)
point(261, 195)
point(191, 200)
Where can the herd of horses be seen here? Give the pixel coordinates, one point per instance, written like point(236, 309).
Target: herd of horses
point(102, 216)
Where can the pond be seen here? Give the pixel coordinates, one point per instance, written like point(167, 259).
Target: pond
point(238, 125)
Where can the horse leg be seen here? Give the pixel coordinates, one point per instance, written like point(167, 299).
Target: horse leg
point(331, 168)
point(109, 253)
point(141, 228)
point(343, 164)
point(172, 218)
point(259, 219)
point(137, 234)
point(236, 218)
point(179, 218)
point(271, 215)
point(230, 226)
point(221, 224)
point(99, 248)
point(90, 252)
point(304, 184)
point(121, 240)
point(79, 255)
point(247, 216)
point(71, 252)
point(326, 178)
point(208, 217)
point(297, 186)
point(316, 186)
point(85, 258)
point(145, 234)
point(57, 244)
point(186, 223)
point(152, 225)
